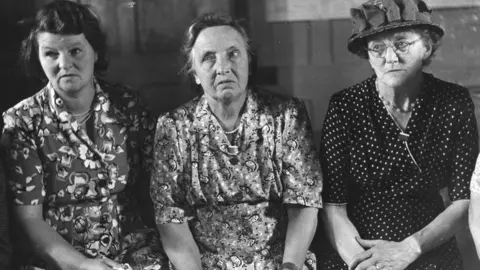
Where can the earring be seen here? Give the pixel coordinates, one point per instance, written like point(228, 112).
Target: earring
point(197, 80)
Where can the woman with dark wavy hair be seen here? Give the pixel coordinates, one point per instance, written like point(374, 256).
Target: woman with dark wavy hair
point(79, 152)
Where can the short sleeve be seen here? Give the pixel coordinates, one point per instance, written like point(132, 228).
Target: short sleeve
point(465, 152)
point(168, 190)
point(334, 154)
point(24, 168)
point(301, 174)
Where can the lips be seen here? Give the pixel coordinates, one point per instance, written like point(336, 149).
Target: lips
point(67, 76)
point(224, 81)
point(395, 70)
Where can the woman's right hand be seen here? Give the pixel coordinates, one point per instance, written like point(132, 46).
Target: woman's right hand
point(100, 264)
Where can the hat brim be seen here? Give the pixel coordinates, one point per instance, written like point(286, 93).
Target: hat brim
point(356, 41)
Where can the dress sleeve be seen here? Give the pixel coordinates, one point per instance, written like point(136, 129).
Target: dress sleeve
point(168, 189)
point(465, 151)
point(301, 174)
point(334, 154)
point(24, 168)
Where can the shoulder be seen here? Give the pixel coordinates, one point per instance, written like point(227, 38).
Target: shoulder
point(26, 111)
point(449, 95)
point(120, 93)
point(125, 101)
point(182, 116)
point(183, 112)
point(353, 97)
point(274, 103)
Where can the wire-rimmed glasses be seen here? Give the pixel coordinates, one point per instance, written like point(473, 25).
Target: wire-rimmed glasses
point(379, 50)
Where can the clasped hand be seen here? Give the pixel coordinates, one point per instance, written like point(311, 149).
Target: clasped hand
point(384, 255)
point(102, 264)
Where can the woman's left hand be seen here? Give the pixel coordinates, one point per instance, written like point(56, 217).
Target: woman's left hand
point(385, 255)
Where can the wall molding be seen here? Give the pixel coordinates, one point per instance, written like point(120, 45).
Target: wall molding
point(308, 10)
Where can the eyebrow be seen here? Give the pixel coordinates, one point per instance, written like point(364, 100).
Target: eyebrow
point(227, 50)
point(75, 44)
point(232, 48)
point(394, 38)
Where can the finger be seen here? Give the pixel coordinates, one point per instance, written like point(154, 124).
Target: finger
point(112, 264)
point(368, 243)
point(366, 264)
point(360, 257)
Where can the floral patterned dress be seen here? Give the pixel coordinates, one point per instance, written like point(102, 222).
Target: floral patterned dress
point(235, 204)
point(91, 185)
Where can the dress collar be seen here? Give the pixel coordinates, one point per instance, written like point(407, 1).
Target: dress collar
point(203, 113)
point(101, 106)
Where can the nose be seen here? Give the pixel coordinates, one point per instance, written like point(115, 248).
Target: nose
point(65, 61)
point(390, 55)
point(224, 66)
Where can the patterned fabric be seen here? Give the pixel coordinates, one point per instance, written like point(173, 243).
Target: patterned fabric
point(367, 165)
point(235, 204)
point(5, 249)
point(90, 185)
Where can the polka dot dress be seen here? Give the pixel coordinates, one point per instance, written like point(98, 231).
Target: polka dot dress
point(392, 190)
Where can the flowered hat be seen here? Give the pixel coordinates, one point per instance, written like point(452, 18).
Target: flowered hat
point(376, 16)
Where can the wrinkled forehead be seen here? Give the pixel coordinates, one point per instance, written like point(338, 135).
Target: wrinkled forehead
point(46, 39)
point(393, 35)
point(219, 38)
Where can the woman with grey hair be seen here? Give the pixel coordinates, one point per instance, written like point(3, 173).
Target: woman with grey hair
point(392, 144)
point(236, 181)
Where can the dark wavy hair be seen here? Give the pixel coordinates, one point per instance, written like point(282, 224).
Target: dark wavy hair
point(64, 18)
point(203, 22)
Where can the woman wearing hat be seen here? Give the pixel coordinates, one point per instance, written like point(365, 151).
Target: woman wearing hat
point(392, 144)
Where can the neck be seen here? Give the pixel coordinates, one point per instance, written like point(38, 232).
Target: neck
point(401, 95)
point(80, 103)
point(227, 114)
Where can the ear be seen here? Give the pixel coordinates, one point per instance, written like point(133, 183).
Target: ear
point(428, 49)
point(197, 80)
point(96, 57)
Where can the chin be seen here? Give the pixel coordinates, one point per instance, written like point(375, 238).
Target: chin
point(71, 90)
point(228, 97)
point(394, 80)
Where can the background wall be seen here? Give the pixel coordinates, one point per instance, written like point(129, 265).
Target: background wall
point(307, 59)
point(310, 61)
point(144, 38)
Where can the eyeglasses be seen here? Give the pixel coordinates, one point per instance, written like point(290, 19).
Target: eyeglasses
point(379, 50)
